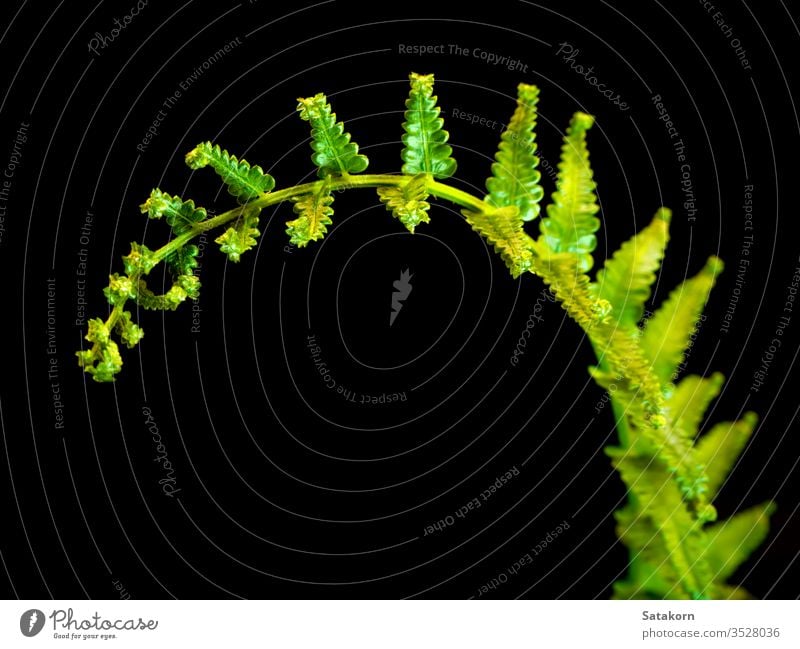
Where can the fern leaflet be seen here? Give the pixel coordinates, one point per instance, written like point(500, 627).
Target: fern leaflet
point(668, 333)
point(625, 279)
point(240, 238)
point(244, 182)
point(719, 448)
point(571, 222)
point(729, 543)
point(515, 178)
point(408, 202)
point(502, 227)
point(180, 215)
point(314, 215)
point(425, 140)
point(334, 153)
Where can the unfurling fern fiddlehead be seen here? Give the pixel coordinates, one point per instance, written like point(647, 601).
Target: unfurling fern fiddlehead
point(677, 548)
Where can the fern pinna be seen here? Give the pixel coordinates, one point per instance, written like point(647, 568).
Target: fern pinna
point(673, 472)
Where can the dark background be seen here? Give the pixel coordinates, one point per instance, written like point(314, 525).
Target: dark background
point(287, 489)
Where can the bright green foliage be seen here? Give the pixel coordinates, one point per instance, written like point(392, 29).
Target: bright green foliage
point(102, 360)
point(140, 261)
point(626, 278)
point(408, 202)
point(572, 288)
point(672, 472)
point(731, 542)
point(244, 182)
point(334, 153)
point(515, 177)
point(240, 238)
point(719, 448)
point(502, 227)
point(571, 222)
point(180, 215)
point(667, 334)
point(425, 140)
point(314, 213)
point(120, 289)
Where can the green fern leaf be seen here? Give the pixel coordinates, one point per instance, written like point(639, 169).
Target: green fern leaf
point(515, 178)
point(425, 141)
point(719, 448)
point(180, 215)
point(240, 238)
point(314, 215)
point(571, 222)
point(626, 278)
point(244, 182)
point(334, 153)
point(669, 332)
point(408, 202)
point(688, 402)
point(731, 542)
point(140, 261)
point(502, 227)
point(120, 289)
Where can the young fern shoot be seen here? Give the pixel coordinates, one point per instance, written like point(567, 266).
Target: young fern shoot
point(673, 472)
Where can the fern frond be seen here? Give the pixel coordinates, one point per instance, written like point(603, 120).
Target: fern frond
point(502, 227)
point(625, 279)
point(689, 401)
point(719, 448)
point(729, 543)
point(515, 178)
point(181, 215)
point(334, 153)
point(244, 182)
point(669, 332)
point(408, 202)
point(571, 222)
point(314, 215)
point(425, 140)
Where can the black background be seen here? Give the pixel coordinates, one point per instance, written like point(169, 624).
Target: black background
point(286, 488)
